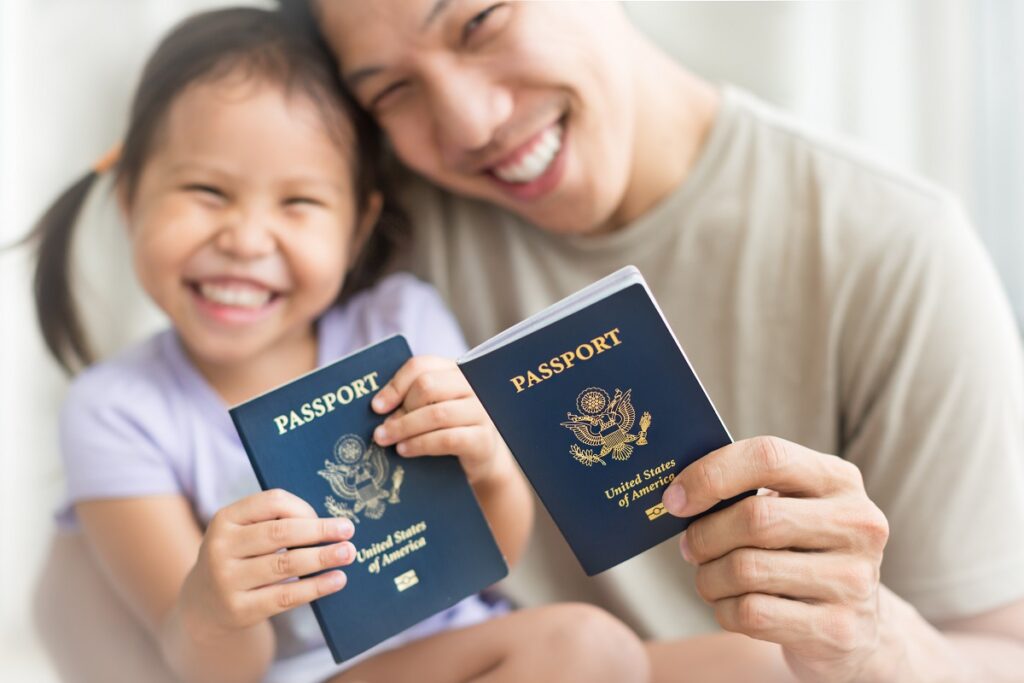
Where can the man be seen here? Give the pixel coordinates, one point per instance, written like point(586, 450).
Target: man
point(842, 307)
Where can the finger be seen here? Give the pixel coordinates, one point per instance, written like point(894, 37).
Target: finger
point(392, 394)
point(456, 413)
point(456, 440)
point(275, 567)
point(767, 462)
point(766, 522)
point(769, 617)
point(821, 577)
point(282, 597)
point(438, 385)
point(271, 504)
point(819, 630)
point(267, 537)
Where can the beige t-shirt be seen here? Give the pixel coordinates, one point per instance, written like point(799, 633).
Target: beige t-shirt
point(821, 298)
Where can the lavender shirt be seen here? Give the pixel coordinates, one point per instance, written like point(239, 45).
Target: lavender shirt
point(147, 423)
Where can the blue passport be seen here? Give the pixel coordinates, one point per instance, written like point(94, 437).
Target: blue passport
point(598, 403)
point(422, 541)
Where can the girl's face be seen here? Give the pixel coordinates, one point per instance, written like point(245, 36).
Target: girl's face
point(243, 219)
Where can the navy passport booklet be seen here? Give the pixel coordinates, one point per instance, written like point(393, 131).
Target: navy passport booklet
point(422, 542)
point(601, 409)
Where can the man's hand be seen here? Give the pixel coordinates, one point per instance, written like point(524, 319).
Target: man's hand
point(798, 567)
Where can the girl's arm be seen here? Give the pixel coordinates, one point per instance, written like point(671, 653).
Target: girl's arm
point(147, 546)
point(207, 599)
point(507, 504)
point(435, 412)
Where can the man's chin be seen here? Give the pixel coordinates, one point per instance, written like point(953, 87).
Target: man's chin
point(552, 214)
point(564, 220)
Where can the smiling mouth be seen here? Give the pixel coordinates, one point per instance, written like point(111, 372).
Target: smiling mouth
point(534, 159)
point(244, 296)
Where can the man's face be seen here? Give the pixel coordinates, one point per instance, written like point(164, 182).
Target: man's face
point(527, 105)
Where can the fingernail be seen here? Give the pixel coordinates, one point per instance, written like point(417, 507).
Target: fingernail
point(380, 402)
point(334, 580)
point(401, 448)
point(344, 527)
point(344, 553)
point(675, 500)
point(380, 434)
point(684, 548)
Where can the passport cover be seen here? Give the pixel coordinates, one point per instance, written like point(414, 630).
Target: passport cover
point(422, 541)
point(601, 410)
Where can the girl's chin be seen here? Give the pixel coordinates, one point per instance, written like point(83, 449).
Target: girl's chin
point(219, 352)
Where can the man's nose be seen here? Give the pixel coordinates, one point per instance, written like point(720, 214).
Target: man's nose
point(247, 233)
point(467, 108)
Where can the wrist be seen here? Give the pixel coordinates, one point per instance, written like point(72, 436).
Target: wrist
point(888, 659)
point(500, 473)
point(197, 649)
point(191, 619)
point(909, 648)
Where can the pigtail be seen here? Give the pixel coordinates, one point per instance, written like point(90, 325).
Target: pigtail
point(283, 46)
point(56, 310)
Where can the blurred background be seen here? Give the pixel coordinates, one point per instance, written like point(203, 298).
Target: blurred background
point(934, 86)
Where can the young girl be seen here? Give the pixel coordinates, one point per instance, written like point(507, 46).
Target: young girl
point(250, 188)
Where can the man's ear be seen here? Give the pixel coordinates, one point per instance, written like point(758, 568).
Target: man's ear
point(365, 225)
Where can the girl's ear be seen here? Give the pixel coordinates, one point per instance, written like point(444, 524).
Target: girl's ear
point(365, 225)
point(123, 203)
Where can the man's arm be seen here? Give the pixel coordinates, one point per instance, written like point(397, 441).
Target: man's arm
point(802, 569)
point(728, 657)
point(985, 647)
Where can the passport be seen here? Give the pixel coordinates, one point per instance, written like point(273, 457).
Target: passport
point(422, 541)
point(601, 408)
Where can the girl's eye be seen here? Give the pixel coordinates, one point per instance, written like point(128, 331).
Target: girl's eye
point(208, 190)
point(478, 21)
point(302, 201)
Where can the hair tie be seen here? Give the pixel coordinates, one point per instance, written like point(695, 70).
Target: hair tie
point(107, 161)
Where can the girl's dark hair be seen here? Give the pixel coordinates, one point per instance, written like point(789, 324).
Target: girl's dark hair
point(263, 44)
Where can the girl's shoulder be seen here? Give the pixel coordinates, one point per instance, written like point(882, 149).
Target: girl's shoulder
point(141, 367)
point(397, 304)
point(136, 385)
point(121, 431)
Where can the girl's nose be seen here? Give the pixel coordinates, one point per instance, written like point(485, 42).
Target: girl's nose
point(246, 234)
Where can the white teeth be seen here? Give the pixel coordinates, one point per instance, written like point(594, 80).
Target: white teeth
point(534, 163)
point(233, 295)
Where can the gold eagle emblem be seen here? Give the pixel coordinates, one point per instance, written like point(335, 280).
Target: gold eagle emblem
point(360, 475)
point(605, 423)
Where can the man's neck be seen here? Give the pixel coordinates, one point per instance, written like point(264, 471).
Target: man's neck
point(675, 113)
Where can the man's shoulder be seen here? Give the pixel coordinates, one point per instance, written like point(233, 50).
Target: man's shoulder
point(829, 165)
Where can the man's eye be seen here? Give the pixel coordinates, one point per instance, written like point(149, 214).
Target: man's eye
point(387, 93)
point(478, 20)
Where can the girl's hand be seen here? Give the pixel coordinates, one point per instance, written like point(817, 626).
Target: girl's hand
point(242, 573)
point(437, 413)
